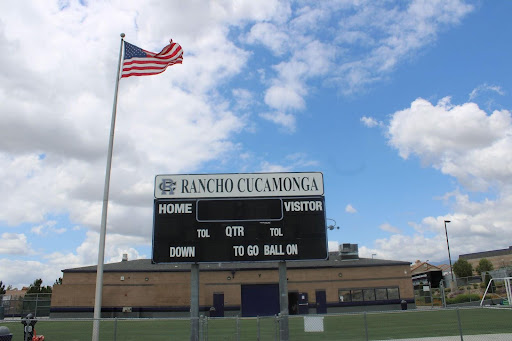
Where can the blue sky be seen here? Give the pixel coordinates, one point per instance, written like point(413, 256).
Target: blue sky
point(403, 106)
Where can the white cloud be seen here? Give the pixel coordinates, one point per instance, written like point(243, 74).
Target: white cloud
point(485, 88)
point(461, 140)
point(19, 273)
point(389, 228)
point(287, 121)
point(14, 244)
point(46, 228)
point(269, 35)
point(350, 209)
point(407, 248)
point(289, 163)
point(300, 160)
point(370, 122)
point(384, 36)
point(243, 97)
point(333, 246)
point(284, 97)
point(270, 167)
point(397, 34)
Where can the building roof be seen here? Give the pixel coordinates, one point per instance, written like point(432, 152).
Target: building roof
point(12, 293)
point(445, 267)
point(423, 267)
point(145, 265)
point(484, 254)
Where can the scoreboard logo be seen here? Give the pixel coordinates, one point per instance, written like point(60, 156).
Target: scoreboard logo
point(167, 186)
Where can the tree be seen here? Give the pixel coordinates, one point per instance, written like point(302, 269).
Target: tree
point(36, 288)
point(462, 268)
point(2, 288)
point(58, 281)
point(484, 265)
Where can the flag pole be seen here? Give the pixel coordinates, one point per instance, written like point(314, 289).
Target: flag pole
point(103, 230)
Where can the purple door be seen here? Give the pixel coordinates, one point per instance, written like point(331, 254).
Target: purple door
point(303, 303)
point(321, 304)
point(218, 305)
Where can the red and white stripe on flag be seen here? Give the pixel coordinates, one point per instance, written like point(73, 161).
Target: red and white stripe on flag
point(139, 62)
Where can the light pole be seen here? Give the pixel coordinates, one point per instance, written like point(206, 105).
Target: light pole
point(448, 244)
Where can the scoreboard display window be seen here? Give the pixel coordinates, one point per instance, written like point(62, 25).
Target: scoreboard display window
point(239, 229)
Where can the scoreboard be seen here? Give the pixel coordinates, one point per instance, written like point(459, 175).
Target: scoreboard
point(233, 230)
point(239, 229)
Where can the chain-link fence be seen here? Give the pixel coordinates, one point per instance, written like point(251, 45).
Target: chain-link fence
point(488, 323)
point(464, 291)
point(37, 304)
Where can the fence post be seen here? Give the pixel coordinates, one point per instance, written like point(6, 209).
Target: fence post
point(237, 328)
point(365, 326)
point(194, 302)
point(276, 327)
point(283, 303)
point(460, 325)
point(443, 297)
point(115, 328)
point(206, 329)
point(258, 327)
point(201, 328)
point(37, 300)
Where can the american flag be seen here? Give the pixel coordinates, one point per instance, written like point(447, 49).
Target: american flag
point(139, 62)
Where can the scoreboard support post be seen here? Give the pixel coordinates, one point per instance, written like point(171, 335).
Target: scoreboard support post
point(194, 302)
point(283, 302)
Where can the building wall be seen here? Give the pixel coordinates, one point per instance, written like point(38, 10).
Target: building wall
point(500, 261)
point(169, 292)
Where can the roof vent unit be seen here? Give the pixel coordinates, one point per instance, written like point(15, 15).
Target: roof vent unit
point(125, 257)
point(349, 251)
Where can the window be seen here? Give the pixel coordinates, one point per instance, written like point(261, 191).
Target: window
point(381, 294)
point(345, 296)
point(368, 294)
point(357, 295)
point(393, 294)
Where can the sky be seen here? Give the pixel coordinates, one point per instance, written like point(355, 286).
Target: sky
point(404, 106)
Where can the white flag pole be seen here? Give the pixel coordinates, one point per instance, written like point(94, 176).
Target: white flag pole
point(101, 250)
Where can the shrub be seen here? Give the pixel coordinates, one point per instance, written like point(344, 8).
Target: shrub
point(463, 298)
point(420, 300)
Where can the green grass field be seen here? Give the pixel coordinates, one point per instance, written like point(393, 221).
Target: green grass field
point(379, 326)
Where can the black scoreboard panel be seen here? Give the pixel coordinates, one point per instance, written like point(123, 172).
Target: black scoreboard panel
point(239, 229)
point(239, 210)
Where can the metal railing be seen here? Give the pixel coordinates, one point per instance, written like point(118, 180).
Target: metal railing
point(437, 324)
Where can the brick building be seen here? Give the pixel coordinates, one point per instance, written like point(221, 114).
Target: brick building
point(501, 258)
point(139, 288)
